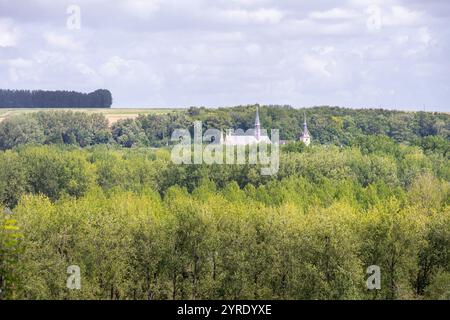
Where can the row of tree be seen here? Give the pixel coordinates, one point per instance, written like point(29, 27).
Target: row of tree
point(63, 171)
point(328, 125)
point(331, 126)
point(54, 99)
point(55, 127)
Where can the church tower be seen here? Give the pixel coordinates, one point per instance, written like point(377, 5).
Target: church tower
point(306, 136)
point(257, 125)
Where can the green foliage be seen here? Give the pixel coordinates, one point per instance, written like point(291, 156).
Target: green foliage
point(13, 181)
point(55, 173)
point(10, 251)
point(225, 244)
point(20, 130)
point(439, 289)
point(61, 127)
point(141, 227)
point(294, 146)
point(435, 144)
point(373, 130)
point(129, 133)
point(308, 233)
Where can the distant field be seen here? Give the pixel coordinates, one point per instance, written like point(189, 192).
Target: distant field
point(113, 115)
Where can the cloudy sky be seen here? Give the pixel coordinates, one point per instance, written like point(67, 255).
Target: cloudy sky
point(165, 53)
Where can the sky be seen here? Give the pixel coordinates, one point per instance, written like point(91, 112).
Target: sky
point(390, 54)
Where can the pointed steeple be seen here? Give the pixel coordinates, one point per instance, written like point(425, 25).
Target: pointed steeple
point(257, 125)
point(305, 125)
point(305, 137)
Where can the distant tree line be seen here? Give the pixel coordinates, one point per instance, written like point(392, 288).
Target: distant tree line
point(328, 126)
point(55, 127)
point(55, 99)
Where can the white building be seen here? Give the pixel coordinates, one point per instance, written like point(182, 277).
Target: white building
point(252, 136)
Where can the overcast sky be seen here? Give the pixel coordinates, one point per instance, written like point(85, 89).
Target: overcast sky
point(164, 53)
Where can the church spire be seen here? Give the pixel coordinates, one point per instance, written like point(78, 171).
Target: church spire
point(305, 125)
point(257, 125)
point(305, 137)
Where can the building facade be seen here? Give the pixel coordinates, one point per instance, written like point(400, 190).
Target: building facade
point(252, 137)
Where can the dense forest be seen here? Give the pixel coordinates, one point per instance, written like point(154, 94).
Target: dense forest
point(373, 189)
point(54, 99)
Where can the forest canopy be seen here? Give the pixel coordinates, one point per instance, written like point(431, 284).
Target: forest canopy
point(373, 189)
point(141, 227)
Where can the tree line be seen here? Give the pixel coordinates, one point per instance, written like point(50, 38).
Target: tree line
point(54, 99)
point(328, 125)
point(55, 127)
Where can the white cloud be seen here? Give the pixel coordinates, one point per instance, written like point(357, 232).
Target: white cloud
point(424, 36)
point(420, 45)
point(367, 3)
point(335, 13)
point(272, 16)
point(324, 50)
point(399, 16)
point(62, 41)
point(317, 66)
point(311, 27)
point(86, 70)
point(140, 8)
point(253, 49)
point(20, 63)
point(129, 71)
point(247, 2)
point(401, 39)
point(9, 33)
point(21, 70)
point(114, 66)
